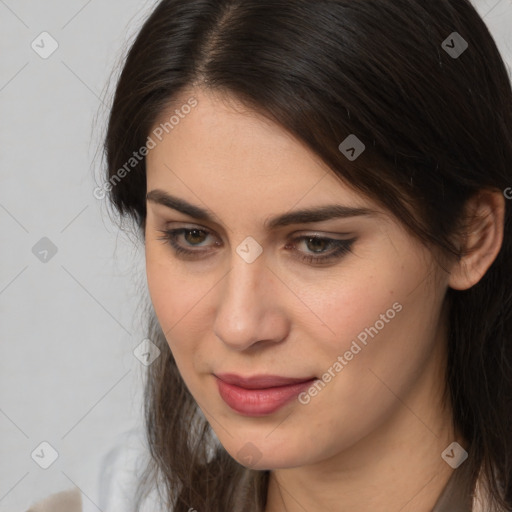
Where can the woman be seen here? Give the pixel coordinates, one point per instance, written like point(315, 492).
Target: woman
point(321, 189)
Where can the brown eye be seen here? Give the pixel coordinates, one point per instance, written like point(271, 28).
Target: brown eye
point(193, 237)
point(317, 245)
point(196, 237)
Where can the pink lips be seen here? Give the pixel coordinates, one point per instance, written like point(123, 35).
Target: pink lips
point(259, 395)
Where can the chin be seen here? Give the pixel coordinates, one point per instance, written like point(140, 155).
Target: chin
point(276, 461)
point(261, 453)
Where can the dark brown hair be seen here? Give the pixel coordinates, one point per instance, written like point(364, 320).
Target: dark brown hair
point(437, 128)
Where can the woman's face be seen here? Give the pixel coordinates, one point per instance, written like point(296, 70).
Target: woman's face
point(362, 324)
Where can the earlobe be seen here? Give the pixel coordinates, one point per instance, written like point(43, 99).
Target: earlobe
point(482, 239)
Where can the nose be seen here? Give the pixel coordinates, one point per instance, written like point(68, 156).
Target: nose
point(250, 311)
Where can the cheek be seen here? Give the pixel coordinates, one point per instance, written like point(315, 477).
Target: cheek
point(163, 286)
point(169, 298)
point(178, 298)
point(374, 318)
point(385, 337)
point(344, 307)
point(170, 288)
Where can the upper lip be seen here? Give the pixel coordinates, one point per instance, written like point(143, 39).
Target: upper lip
point(260, 381)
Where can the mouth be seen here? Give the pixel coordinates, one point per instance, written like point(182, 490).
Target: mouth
point(259, 395)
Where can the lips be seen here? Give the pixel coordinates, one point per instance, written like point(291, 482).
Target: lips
point(260, 381)
point(261, 394)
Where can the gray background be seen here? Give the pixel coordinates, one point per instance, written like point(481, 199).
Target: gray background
point(69, 324)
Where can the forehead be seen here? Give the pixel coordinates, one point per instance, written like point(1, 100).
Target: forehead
point(224, 153)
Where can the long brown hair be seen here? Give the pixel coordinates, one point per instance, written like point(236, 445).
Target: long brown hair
point(437, 127)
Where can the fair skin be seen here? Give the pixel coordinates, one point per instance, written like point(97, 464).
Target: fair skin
point(372, 438)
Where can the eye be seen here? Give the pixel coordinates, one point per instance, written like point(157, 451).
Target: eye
point(339, 247)
point(170, 236)
point(194, 237)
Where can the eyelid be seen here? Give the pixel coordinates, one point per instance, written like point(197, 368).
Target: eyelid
point(301, 232)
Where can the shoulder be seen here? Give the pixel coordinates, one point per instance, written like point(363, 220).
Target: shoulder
point(121, 472)
point(118, 476)
point(481, 496)
point(65, 501)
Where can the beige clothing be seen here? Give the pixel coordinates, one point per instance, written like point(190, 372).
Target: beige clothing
point(66, 501)
point(454, 498)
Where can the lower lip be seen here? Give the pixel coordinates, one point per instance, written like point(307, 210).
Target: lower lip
point(259, 402)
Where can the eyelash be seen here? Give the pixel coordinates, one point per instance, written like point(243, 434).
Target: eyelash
point(341, 247)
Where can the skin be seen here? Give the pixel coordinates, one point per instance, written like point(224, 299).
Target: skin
point(372, 438)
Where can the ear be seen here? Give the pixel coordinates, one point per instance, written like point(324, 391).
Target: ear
point(482, 240)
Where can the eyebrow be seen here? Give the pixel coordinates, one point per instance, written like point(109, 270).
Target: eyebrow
point(305, 216)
